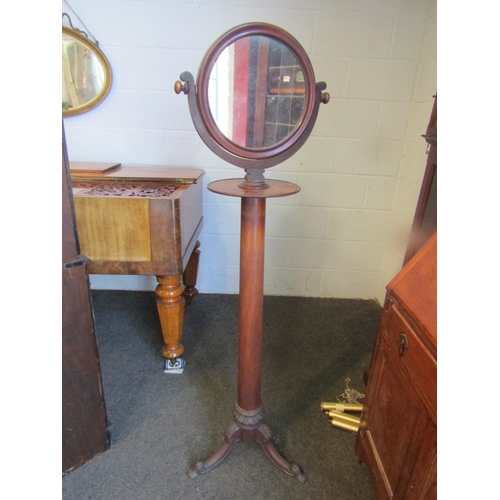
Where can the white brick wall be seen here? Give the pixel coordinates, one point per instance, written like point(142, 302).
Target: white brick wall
point(345, 233)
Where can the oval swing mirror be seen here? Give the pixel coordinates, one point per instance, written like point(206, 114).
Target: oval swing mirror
point(255, 100)
point(86, 73)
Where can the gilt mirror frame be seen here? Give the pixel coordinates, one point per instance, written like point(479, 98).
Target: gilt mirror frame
point(198, 98)
point(108, 78)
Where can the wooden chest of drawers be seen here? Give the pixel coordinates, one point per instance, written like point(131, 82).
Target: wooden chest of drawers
point(397, 438)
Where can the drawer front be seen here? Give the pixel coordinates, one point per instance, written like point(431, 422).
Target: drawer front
point(412, 354)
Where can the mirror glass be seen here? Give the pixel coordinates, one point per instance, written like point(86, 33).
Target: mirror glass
point(86, 74)
point(256, 92)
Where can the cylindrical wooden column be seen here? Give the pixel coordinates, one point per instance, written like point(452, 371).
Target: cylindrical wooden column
point(253, 217)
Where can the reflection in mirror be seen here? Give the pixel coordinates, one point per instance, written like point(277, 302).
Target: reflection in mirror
point(256, 92)
point(86, 74)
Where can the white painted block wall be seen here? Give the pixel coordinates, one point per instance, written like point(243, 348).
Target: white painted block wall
point(344, 234)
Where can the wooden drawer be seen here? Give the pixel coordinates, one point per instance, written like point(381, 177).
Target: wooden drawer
point(413, 355)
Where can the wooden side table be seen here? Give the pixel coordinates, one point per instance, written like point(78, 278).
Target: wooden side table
point(143, 221)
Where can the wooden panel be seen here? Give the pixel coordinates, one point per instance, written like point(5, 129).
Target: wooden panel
point(397, 435)
point(165, 232)
point(429, 489)
point(175, 175)
point(190, 219)
point(113, 228)
point(86, 167)
point(419, 483)
point(389, 434)
point(420, 274)
point(70, 244)
point(142, 268)
point(415, 358)
point(84, 426)
point(84, 432)
point(395, 427)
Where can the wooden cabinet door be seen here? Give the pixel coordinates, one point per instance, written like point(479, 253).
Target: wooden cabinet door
point(419, 478)
point(84, 426)
point(397, 420)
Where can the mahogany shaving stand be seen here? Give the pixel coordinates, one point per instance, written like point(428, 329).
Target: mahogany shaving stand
point(248, 414)
point(254, 143)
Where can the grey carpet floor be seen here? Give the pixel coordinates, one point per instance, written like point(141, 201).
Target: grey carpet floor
point(161, 424)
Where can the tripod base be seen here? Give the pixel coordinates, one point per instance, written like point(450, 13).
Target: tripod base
point(247, 428)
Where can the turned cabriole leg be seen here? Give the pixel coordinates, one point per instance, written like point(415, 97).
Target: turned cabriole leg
point(190, 275)
point(170, 302)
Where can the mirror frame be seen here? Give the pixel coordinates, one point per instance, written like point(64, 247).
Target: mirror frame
point(205, 70)
point(204, 122)
point(108, 76)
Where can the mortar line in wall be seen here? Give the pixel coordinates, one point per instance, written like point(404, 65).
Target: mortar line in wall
point(319, 239)
point(338, 138)
point(378, 121)
point(147, 91)
point(315, 24)
point(347, 174)
point(393, 36)
point(347, 74)
point(184, 131)
point(360, 99)
point(296, 268)
point(367, 58)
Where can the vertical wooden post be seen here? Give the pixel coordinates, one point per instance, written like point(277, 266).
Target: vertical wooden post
point(253, 214)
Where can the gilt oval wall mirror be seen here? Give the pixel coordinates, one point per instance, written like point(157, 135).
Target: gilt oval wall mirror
point(86, 73)
point(255, 98)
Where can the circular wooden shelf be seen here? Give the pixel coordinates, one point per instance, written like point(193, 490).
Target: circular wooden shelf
point(233, 187)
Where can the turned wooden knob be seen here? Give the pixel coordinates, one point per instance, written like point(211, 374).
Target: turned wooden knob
point(325, 97)
point(180, 87)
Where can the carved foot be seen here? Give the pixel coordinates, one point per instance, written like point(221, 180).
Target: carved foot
point(263, 437)
point(231, 438)
point(248, 428)
point(198, 468)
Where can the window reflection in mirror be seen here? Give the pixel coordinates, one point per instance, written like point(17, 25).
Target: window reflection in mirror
point(256, 92)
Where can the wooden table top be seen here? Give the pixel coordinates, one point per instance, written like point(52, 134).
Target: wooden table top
point(94, 171)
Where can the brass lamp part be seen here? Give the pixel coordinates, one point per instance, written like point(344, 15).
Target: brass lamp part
point(354, 407)
point(345, 417)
